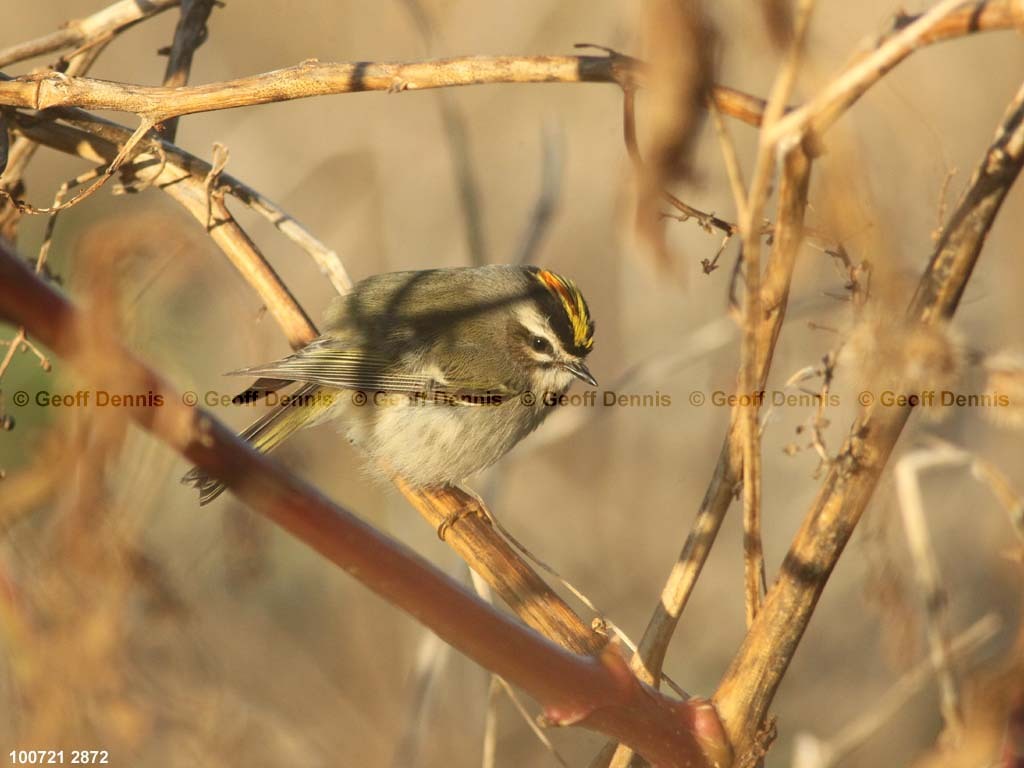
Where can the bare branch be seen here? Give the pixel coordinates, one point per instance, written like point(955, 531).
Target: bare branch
point(189, 34)
point(314, 78)
point(945, 20)
point(99, 145)
point(750, 230)
point(747, 689)
point(78, 32)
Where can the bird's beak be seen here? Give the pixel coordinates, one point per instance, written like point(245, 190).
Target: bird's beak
point(579, 370)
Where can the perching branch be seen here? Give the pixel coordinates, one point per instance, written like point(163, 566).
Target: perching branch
point(596, 692)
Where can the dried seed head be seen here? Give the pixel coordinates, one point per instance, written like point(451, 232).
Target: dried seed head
point(1004, 386)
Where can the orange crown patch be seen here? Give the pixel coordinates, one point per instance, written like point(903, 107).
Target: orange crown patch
point(575, 307)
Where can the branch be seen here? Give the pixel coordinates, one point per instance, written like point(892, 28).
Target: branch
point(75, 64)
point(748, 378)
point(647, 663)
point(109, 21)
point(314, 78)
point(726, 476)
point(96, 140)
point(596, 692)
point(748, 687)
point(189, 34)
point(948, 19)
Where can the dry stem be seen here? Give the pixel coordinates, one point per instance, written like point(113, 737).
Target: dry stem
point(79, 32)
point(945, 20)
point(747, 689)
point(315, 78)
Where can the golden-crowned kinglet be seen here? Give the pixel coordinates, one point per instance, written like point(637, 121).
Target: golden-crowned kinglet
point(436, 373)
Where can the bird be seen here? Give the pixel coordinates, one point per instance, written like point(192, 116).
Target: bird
point(434, 374)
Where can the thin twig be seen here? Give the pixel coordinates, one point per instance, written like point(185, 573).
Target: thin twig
point(926, 569)
point(754, 569)
point(189, 34)
point(465, 178)
point(81, 32)
point(77, 63)
point(431, 656)
point(602, 619)
point(552, 167)
point(168, 168)
point(732, 163)
point(810, 752)
point(830, 102)
point(497, 682)
point(489, 758)
point(123, 154)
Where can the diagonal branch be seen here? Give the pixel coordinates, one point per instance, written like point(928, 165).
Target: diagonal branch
point(596, 692)
point(749, 685)
point(109, 21)
point(472, 537)
point(96, 140)
point(945, 20)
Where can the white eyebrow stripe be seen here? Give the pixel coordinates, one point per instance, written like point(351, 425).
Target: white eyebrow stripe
point(538, 325)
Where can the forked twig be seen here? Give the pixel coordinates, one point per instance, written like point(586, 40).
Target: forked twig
point(748, 687)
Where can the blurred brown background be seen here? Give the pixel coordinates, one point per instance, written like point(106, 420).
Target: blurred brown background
point(170, 635)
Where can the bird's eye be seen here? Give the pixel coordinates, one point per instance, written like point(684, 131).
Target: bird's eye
point(540, 344)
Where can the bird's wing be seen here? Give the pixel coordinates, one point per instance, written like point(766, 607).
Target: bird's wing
point(333, 363)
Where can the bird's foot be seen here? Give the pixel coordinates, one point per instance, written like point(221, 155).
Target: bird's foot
point(478, 509)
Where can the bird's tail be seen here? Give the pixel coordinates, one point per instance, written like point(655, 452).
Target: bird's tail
point(305, 406)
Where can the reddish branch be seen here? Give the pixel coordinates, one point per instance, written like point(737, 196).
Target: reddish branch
point(597, 692)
